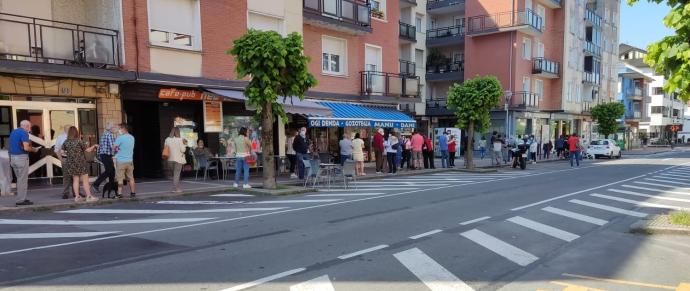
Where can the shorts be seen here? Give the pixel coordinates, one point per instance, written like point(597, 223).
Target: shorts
point(416, 155)
point(124, 171)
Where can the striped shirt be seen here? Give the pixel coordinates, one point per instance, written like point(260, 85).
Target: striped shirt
point(105, 146)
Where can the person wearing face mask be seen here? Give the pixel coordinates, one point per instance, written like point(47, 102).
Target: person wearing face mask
point(301, 146)
point(378, 150)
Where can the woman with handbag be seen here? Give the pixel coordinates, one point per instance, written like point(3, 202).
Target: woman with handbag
point(243, 152)
point(74, 165)
point(174, 152)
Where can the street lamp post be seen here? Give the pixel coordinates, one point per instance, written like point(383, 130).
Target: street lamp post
point(508, 95)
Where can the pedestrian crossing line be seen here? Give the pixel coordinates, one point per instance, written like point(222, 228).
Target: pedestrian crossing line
point(475, 220)
point(667, 181)
point(265, 280)
point(576, 216)
point(344, 194)
point(436, 179)
point(380, 188)
point(97, 222)
point(431, 273)
point(400, 184)
point(197, 202)
point(54, 234)
point(322, 283)
point(500, 247)
point(648, 196)
point(543, 228)
point(232, 195)
point(160, 211)
point(428, 233)
point(637, 203)
point(294, 201)
point(667, 176)
point(609, 208)
point(686, 172)
point(361, 252)
point(655, 190)
point(660, 185)
point(674, 175)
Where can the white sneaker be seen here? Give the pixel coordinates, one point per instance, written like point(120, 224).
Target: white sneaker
point(293, 176)
point(246, 186)
point(234, 185)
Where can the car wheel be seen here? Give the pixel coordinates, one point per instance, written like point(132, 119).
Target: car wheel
point(610, 155)
point(620, 154)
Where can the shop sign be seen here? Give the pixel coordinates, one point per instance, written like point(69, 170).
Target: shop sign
point(213, 114)
point(359, 123)
point(180, 94)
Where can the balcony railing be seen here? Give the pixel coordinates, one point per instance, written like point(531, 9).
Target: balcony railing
point(438, 4)
point(450, 71)
point(408, 32)
point(593, 18)
point(633, 115)
point(355, 12)
point(636, 91)
point(407, 68)
point(542, 65)
point(591, 78)
point(494, 22)
point(524, 100)
point(586, 106)
point(442, 32)
point(389, 84)
point(48, 41)
point(438, 107)
point(592, 49)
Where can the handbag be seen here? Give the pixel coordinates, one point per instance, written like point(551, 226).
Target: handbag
point(166, 152)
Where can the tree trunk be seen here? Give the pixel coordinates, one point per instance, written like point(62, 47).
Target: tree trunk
point(469, 151)
point(268, 162)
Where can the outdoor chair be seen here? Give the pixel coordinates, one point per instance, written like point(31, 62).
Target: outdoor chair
point(203, 162)
point(348, 172)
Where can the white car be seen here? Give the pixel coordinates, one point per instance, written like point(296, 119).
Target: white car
point(604, 148)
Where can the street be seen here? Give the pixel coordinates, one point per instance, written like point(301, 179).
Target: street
point(550, 227)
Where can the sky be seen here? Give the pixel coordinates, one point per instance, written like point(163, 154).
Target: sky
point(642, 23)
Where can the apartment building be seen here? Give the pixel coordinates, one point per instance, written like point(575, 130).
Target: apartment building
point(652, 110)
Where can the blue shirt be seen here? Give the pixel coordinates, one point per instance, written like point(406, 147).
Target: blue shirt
point(17, 139)
point(443, 142)
point(105, 146)
point(125, 145)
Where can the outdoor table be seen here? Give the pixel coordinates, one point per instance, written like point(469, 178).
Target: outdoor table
point(224, 161)
point(330, 171)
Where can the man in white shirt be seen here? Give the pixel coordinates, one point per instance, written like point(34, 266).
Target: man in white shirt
point(66, 179)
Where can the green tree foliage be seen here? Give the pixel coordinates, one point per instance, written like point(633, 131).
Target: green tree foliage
point(473, 100)
point(278, 69)
point(671, 55)
point(605, 114)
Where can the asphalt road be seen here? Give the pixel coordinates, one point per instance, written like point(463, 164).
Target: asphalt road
point(550, 227)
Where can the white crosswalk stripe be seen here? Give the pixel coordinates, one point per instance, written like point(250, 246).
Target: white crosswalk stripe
point(345, 194)
point(543, 228)
point(674, 175)
point(648, 196)
point(97, 222)
point(295, 201)
point(165, 211)
point(265, 279)
point(609, 208)
point(574, 215)
point(232, 195)
point(667, 181)
point(655, 190)
point(638, 203)
point(500, 247)
point(663, 176)
point(322, 283)
point(197, 202)
point(660, 185)
point(431, 273)
point(54, 235)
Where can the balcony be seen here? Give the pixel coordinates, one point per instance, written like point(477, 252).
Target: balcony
point(408, 33)
point(553, 4)
point(46, 41)
point(591, 78)
point(633, 115)
point(593, 18)
point(382, 86)
point(443, 36)
point(407, 3)
point(635, 93)
point(525, 21)
point(445, 6)
point(546, 68)
point(592, 49)
point(438, 107)
point(407, 68)
point(523, 100)
point(450, 71)
point(352, 16)
point(586, 107)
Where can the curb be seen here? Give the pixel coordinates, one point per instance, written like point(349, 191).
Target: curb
point(658, 224)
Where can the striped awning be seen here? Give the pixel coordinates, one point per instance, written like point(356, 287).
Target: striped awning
point(362, 115)
point(291, 105)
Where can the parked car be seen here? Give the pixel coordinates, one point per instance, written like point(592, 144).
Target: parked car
point(604, 148)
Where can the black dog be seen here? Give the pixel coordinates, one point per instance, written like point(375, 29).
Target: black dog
point(108, 188)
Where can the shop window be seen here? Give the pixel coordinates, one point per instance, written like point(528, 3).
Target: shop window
point(334, 55)
point(175, 23)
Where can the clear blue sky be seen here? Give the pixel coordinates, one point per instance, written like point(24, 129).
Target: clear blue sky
point(642, 24)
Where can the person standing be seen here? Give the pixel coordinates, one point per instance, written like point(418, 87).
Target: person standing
point(379, 150)
point(429, 153)
point(574, 149)
point(391, 145)
point(291, 154)
point(417, 143)
point(75, 163)
point(497, 145)
point(105, 155)
point(20, 147)
point(560, 146)
point(243, 147)
point(66, 179)
point(301, 147)
point(176, 159)
point(358, 155)
point(345, 148)
point(452, 149)
point(547, 150)
point(406, 144)
point(443, 148)
point(124, 161)
point(482, 147)
point(533, 147)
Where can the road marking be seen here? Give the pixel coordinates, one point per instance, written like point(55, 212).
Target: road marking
point(574, 193)
point(265, 279)
point(159, 211)
point(609, 208)
point(624, 282)
point(648, 196)
point(682, 171)
point(344, 194)
point(232, 195)
point(638, 203)
point(295, 201)
point(98, 222)
point(197, 202)
point(500, 247)
point(435, 179)
point(53, 234)
point(475, 220)
point(543, 228)
point(667, 181)
point(674, 178)
point(655, 190)
point(673, 175)
point(431, 273)
point(428, 233)
point(573, 287)
point(322, 283)
point(576, 216)
point(361, 252)
point(369, 188)
point(661, 185)
point(667, 159)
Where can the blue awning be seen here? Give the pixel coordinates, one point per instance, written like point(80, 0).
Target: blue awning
point(360, 115)
point(291, 105)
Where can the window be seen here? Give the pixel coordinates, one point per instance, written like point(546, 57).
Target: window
point(378, 5)
point(181, 31)
point(542, 13)
point(265, 23)
point(334, 54)
point(578, 93)
point(539, 52)
point(657, 109)
point(418, 23)
point(569, 91)
point(539, 88)
point(657, 91)
point(526, 84)
point(526, 48)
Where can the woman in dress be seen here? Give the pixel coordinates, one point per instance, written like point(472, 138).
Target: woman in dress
point(75, 163)
point(176, 148)
point(358, 155)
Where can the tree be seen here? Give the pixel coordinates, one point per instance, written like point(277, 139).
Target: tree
point(278, 68)
point(671, 55)
point(473, 100)
point(605, 114)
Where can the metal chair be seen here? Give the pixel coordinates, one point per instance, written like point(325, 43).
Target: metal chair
point(325, 158)
point(348, 171)
point(203, 162)
point(307, 171)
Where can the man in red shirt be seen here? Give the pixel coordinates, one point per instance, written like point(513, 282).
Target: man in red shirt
point(378, 150)
point(574, 148)
point(428, 153)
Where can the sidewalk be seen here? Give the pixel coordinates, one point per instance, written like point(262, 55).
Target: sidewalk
point(648, 151)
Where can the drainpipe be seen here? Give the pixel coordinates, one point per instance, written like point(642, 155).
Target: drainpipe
point(510, 66)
